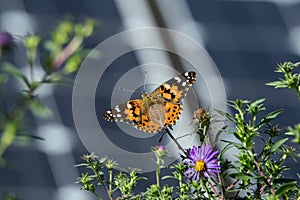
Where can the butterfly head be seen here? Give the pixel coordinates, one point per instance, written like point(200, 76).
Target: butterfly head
point(146, 98)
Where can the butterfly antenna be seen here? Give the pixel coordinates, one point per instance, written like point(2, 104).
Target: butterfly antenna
point(127, 90)
point(175, 141)
point(145, 80)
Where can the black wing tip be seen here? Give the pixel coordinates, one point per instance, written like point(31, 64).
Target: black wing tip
point(191, 76)
point(108, 116)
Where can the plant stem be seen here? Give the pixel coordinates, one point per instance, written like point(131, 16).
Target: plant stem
point(31, 72)
point(232, 185)
point(214, 190)
point(262, 174)
point(67, 52)
point(206, 189)
point(158, 173)
point(222, 187)
point(103, 184)
point(110, 181)
point(98, 197)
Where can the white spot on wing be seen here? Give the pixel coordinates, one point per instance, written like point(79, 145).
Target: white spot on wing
point(167, 86)
point(177, 79)
point(117, 109)
point(183, 84)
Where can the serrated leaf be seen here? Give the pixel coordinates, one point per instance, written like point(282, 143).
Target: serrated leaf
point(285, 187)
point(278, 144)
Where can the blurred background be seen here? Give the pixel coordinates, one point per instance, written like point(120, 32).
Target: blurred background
point(245, 38)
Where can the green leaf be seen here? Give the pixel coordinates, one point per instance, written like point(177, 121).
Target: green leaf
point(81, 165)
point(237, 145)
point(249, 140)
point(278, 144)
point(228, 146)
point(285, 187)
point(269, 117)
point(61, 80)
point(15, 72)
point(39, 109)
point(277, 84)
point(283, 180)
point(2, 78)
point(72, 64)
point(257, 102)
point(168, 177)
point(23, 134)
point(295, 132)
point(227, 115)
point(241, 176)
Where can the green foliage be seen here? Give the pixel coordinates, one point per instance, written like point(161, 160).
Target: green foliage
point(291, 80)
point(10, 196)
point(122, 181)
point(260, 170)
point(254, 174)
point(65, 53)
point(295, 132)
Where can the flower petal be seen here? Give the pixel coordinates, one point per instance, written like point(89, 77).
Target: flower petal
point(196, 176)
point(213, 166)
point(211, 155)
point(206, 174)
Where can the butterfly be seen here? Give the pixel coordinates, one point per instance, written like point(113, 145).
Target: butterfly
point(161, 109)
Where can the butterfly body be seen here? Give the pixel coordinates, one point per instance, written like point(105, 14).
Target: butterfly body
point(155, 111)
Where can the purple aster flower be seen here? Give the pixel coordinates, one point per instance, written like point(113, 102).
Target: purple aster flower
point(202, 161)
point(6, 40)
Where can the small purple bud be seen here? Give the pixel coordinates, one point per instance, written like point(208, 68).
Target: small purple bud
point(6, 40)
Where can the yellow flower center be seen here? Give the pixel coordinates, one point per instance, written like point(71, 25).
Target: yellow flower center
point(200, 165)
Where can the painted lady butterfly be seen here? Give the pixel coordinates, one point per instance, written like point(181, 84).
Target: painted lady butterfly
point(161, 109)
